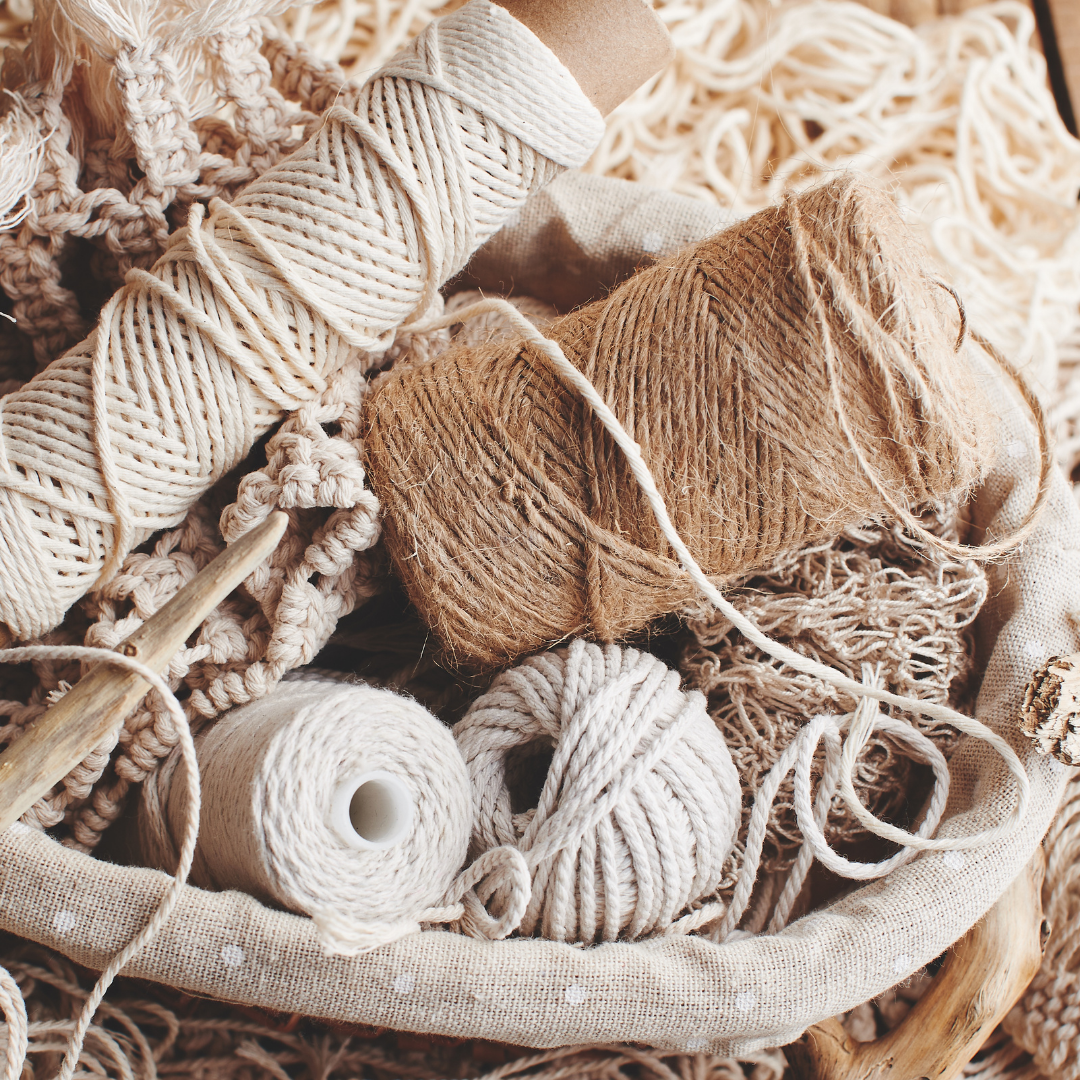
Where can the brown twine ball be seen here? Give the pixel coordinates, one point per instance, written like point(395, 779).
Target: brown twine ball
point(787, 377)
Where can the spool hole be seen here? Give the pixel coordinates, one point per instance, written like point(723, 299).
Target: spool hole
point(372, 810)
point(375, 813)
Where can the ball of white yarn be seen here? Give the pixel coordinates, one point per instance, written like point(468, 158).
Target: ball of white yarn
point(640, 804)
point(278, 776)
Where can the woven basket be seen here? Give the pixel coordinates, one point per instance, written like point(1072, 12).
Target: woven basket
point(573, 241)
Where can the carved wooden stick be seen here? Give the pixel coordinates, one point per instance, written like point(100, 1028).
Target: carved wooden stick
point(56, 742)
point(982, 978)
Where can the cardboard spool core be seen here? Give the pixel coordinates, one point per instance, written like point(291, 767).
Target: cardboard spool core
point(372, 811)
point(610, 47)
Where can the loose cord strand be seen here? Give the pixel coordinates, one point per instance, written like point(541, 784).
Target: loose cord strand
point(173, 890)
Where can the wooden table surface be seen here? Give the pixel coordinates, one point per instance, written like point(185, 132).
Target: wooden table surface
point(1059, 23)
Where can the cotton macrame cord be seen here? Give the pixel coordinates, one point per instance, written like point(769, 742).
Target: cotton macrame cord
point(639, 805)
point(272, 774)
point(244, 318)
point(799, 755)
point(190, 833)
point(21, 151)
point(863, 724)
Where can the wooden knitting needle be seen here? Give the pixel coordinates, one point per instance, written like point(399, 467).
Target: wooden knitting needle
point(56, 742)
point(982, 978)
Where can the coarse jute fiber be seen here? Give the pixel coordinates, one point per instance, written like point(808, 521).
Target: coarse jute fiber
point(787, 377)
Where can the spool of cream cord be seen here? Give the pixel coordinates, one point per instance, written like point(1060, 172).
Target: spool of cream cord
point(343, 802)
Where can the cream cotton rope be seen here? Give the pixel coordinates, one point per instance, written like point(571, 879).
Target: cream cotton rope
point(253, 307)
point(639, 805)
point(340, 801)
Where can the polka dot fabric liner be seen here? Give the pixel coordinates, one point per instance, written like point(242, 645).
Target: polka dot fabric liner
point(679, 994)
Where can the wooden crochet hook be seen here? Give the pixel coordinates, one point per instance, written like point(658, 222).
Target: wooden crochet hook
point(982, 978)
point(58, 740)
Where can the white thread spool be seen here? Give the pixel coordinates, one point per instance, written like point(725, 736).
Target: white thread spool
point(343, 802)
point(640, 805)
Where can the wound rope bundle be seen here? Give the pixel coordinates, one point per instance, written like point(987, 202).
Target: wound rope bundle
point(638, 808)
point(343, 802)
point(256, 303)
point(792, 375)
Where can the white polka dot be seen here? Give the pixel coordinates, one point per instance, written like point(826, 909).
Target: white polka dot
point(405, 983)
point(575, 994)
point(1016, 449)
point(1034, 650)
point(955, 860)
point(652, 242)
point(232, 955)
point(1057, 766)
point(695, 1044)
point(901, 964)
point(745, 1001)
point(63, 921)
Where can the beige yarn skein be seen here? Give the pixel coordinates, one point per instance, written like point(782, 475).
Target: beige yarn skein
point(344, 802)
point(639, 807)
point(255, 304)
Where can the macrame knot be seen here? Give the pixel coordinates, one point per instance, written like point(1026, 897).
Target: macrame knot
point(636, 815)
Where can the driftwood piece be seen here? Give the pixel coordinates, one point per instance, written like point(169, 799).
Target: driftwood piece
point(982, 978)
point(57, 741)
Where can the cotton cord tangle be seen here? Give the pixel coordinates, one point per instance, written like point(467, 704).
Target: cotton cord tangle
point(639, 806)
point(171, 895)
point(251, 308)
point(811, 815)
point(344, 802)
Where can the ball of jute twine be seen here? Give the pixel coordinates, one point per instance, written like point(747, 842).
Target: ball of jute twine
point(257, 302)
point(790, 376)
point(640, 803)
